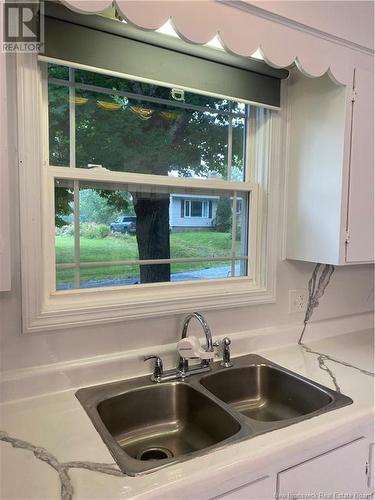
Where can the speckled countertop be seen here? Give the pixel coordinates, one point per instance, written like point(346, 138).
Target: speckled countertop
point(57, 453)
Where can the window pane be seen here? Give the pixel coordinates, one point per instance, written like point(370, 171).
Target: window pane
point(238, 149)
point(124, 230)
point(109, 276)
point(149, 138)
point(100, 276)
point(206, 270)
point(58, 116)
point(192, 242)
point(242, 219)
point(205, 209)
point(131, 126)
point(57, 71)
point(196, 209)
point(64, 234)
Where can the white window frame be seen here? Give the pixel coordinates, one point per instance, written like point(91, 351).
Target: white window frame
point(45, 309)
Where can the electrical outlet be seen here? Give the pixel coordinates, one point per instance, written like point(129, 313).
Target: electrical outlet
point(297, 301)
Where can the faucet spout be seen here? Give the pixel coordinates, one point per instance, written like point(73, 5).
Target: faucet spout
point(183, 362)
point(193, 350)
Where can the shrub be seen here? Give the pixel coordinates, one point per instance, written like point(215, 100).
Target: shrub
point(93, 231)
point(67, 230)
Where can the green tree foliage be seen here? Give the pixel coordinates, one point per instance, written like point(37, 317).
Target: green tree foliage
point(223, 215)
point(63, 207)
point(103, 207)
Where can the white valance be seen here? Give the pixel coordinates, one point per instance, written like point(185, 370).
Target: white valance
point(241, 32)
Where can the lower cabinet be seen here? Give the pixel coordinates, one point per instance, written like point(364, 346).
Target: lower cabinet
point(343, 472)
point(261, 489)
point(339, 473)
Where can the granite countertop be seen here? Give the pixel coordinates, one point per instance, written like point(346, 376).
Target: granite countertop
point(50, 449)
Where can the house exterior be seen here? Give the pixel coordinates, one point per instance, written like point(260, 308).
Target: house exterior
point(188, 211)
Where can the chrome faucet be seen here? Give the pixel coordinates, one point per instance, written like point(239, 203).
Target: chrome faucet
point(193, 350)
point(183, 364)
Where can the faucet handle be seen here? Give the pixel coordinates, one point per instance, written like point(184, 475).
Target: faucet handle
point(158, 368)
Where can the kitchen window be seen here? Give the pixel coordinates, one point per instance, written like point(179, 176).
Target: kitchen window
point(186, 172)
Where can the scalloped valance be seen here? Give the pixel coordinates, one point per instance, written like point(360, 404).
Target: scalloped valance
point(240, 32)
point(123, 49)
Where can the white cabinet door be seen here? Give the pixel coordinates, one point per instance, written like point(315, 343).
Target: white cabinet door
point(262, 489)
point(371, 468)
point(341, 471)
point(360, 247)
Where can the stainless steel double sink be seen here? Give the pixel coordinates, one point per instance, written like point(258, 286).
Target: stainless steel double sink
point(147, 426)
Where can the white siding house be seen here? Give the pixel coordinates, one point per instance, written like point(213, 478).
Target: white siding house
point(192, 211)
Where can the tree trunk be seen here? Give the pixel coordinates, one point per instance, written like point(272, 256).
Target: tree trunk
point(152, 211)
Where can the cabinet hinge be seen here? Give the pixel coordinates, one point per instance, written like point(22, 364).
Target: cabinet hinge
point(354, 94)
point(367, 469)
point(347, 236)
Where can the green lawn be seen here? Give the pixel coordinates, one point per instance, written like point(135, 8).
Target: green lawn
point(190, 244)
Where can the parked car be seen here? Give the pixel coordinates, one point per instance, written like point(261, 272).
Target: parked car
point(124, 224)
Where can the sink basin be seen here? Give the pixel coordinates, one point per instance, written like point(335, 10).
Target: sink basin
point(266, 393)
point(165, 421)
point(147, 427)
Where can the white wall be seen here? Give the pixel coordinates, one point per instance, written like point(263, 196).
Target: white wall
point(350, 292)
point(350, 20)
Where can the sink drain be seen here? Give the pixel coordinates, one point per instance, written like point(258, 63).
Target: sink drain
point(154, 453)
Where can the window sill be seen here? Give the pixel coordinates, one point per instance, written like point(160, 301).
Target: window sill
point(75, 308)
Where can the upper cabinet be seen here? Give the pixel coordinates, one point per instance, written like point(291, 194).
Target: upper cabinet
point(331, 169)
point(360, 219)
